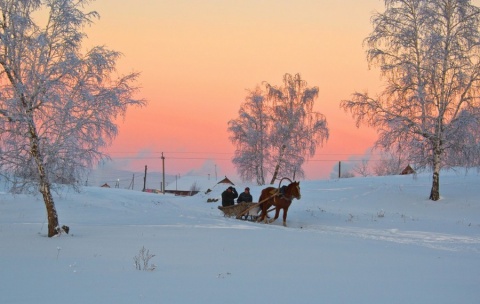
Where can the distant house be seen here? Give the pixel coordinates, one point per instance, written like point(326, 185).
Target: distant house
point(105, 185)
point(407, 170)
point(226, 181)
point(175, 192)
point(190, 185)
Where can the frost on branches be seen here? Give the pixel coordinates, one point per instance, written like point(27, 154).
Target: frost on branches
point(57, 105)
point(277, 130)
point(428, 53)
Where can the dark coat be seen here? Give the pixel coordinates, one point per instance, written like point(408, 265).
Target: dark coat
point(228, 197)
point(245, 197)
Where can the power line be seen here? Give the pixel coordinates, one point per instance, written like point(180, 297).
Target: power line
point(171, 155)
point(342, 158)
point(221, 153)
point(171, 152)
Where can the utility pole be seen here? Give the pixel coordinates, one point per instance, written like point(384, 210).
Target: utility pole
point(339, 169)
point(163, 174)
point(145, 179)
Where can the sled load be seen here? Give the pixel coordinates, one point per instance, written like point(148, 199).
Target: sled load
point(243, 210)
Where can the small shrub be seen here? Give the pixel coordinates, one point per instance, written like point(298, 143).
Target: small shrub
point(142, 260)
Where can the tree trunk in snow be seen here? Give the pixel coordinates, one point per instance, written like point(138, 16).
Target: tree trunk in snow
point(435, 192)
point(277, 167)
point(53, 227)
point(44, 184)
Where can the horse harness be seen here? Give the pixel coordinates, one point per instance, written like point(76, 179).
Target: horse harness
point(280, 192)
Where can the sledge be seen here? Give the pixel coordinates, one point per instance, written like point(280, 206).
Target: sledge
point(246, 211)
point(243, 210)
point(252, 211)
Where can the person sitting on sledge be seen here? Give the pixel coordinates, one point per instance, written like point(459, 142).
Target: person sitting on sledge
point(245, 196)
point(229, 196)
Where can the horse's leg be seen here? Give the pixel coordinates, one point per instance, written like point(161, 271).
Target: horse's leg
point(285, 210)
point(277, 213)
point(266, 215)
point(267, 204)
point(263, 213)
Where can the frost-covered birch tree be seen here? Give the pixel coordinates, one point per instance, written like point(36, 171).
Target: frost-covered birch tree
point(428, 53)
point(58, 106)
point(277, 130)
point(249, 133)
point(297, 130)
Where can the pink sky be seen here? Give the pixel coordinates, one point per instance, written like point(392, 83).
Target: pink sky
point(198, 58)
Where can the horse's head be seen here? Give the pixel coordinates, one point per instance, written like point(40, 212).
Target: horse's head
point(294, 190)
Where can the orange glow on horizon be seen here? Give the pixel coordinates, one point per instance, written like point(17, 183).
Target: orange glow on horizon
point(197, 60)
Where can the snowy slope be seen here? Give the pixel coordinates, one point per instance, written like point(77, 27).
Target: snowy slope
point(359, 240)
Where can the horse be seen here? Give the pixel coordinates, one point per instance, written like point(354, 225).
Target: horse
point(272, 196)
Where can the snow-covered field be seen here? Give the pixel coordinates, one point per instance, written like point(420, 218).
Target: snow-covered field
point(358, 240)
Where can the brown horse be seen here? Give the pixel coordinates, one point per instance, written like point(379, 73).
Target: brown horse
point(272, 196)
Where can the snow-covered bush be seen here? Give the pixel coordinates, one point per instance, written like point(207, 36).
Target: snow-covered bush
point(142, 260)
